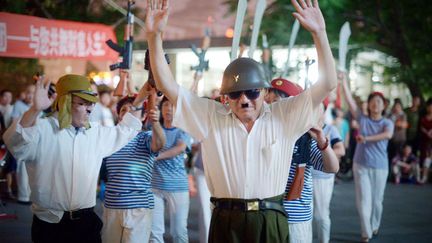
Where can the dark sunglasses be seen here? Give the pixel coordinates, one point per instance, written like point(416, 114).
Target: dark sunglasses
point(251, 94)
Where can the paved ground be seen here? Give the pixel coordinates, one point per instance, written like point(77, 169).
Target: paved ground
point(407, 217)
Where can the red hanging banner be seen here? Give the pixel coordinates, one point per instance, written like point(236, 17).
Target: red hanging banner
point(33, 37)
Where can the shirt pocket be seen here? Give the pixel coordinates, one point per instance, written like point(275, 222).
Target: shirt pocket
point(270, 152)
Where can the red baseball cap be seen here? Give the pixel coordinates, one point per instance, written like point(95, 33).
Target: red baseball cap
point(377, 93)
point(287, 87)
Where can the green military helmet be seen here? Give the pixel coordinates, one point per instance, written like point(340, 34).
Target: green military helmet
point(243, 74)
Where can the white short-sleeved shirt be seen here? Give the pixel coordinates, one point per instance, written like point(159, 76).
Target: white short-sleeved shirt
point(239, 164)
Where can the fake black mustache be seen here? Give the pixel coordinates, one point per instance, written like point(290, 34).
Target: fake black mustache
point(245, 105)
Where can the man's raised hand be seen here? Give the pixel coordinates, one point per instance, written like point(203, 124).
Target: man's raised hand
point(309, 15)
point(41, 100)
point(157, 16)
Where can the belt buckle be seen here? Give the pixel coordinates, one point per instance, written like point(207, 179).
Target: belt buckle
point(253, 206)
point(71, 215)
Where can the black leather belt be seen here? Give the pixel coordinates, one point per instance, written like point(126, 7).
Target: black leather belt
point(77, 214)
point(247, 205)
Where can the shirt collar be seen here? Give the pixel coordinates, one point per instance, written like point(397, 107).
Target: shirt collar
point(78, 129)
point(70, 128)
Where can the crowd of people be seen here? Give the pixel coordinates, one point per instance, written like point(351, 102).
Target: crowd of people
point(264, 153)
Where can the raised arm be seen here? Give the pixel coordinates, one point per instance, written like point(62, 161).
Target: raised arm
point(138, 102)
point(348, 96)
point(196, 79)
point(330, 158)
point(156, 20)
point(158, 134)
point(120, 90)
point(311, 18)
point(142, 95)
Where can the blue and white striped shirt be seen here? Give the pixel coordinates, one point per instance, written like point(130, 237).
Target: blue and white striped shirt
point(300, 210)
point(129, 175)
point(170, 174)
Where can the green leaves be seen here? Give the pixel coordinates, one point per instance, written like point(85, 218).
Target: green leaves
point(401, 29)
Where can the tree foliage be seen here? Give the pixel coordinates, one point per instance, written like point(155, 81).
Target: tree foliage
point(398, 28)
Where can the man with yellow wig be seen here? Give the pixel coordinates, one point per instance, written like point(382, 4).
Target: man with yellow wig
point(63, 154)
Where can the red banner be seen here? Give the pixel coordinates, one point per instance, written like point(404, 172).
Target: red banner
point(32, 37)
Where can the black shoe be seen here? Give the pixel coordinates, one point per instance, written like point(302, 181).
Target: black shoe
point(24, 202)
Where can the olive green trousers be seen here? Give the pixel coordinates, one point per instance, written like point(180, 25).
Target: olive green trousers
point(232, 226)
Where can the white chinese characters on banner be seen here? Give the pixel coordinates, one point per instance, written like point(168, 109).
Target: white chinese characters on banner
point(66, 42)
point(3, 37)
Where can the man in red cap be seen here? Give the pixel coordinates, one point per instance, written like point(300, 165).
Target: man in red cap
point(308, 154)
point(282, 88)
point(247, 149)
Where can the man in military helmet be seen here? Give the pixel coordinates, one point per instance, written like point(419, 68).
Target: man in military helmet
point(63, 154)
point(247, 148)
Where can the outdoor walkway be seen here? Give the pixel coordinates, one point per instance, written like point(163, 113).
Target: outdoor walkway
point(407, 217)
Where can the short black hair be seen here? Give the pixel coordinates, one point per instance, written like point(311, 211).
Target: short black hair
point(3, 91)
point(376, 94)
point(380, 95)
point(164, 99)
point(125, 100)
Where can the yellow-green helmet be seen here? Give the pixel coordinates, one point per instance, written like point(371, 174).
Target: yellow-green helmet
point(77, 85)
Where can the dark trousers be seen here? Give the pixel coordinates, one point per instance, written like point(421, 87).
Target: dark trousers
point(86, 229)
point(263, 226)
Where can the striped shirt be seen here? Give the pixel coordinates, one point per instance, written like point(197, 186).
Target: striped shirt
point(300, 210)
point(129, 175)
point(170, 174)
